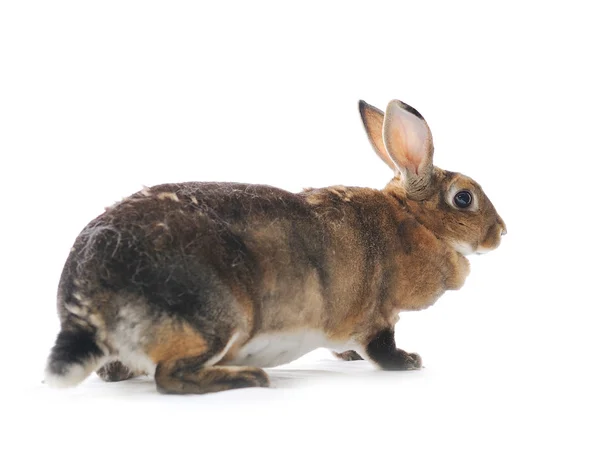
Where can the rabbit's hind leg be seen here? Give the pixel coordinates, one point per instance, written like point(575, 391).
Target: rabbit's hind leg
point(186, 376)
point(185, 356)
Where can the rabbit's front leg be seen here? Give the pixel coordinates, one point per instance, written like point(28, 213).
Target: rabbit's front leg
point(383, 352)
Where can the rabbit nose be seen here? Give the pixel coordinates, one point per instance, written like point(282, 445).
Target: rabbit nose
point(501, 223)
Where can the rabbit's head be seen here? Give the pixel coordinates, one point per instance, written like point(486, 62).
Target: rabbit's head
point(451, 205)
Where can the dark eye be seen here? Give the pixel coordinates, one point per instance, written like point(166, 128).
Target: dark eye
point(463, 199)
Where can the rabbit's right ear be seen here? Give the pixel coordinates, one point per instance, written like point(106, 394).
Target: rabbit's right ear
point(408, 142)
point(372, 119)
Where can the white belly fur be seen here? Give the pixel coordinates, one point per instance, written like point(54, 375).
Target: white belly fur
point(275, 349)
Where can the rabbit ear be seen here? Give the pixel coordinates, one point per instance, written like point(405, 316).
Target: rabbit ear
point(372, 119)
point(408, 142)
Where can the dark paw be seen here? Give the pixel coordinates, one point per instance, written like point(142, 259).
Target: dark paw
point(349, 356)
point(401, 361)
point(413, 361)
point(115, 372)
point(254, 378)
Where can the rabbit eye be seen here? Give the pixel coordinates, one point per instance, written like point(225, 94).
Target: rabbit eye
point(463, 199)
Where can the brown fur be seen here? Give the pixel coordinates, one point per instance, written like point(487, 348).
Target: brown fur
point(200, 270)
point(175, 340)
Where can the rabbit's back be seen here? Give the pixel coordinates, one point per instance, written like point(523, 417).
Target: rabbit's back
point(185, 247)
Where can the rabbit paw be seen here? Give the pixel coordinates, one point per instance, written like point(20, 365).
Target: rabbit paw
point(349, 356)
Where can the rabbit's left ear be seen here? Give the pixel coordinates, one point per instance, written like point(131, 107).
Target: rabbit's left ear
point(409, 144)
point(372, 119)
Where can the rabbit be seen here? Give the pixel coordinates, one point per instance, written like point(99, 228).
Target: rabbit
point(202, 285)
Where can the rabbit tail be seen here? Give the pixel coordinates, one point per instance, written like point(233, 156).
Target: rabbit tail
point(75, 355)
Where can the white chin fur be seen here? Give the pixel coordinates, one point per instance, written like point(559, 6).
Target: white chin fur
point(483, 250)
point(463, 248)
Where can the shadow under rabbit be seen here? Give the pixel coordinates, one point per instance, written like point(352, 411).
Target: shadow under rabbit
point(322, 373)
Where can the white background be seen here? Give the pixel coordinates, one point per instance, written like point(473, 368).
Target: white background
point(100, 98)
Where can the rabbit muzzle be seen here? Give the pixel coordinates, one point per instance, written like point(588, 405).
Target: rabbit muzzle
point(492, 238)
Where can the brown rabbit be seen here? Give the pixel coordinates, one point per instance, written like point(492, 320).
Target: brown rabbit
point(202, 284)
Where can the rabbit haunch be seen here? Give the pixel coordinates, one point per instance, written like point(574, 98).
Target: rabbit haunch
point(195, 282)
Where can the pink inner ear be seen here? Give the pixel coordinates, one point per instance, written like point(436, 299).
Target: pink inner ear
point(407, 140)
point(415, 163)
point(417, 138)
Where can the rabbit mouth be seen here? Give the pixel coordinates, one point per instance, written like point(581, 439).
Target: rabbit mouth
point(492, 240)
